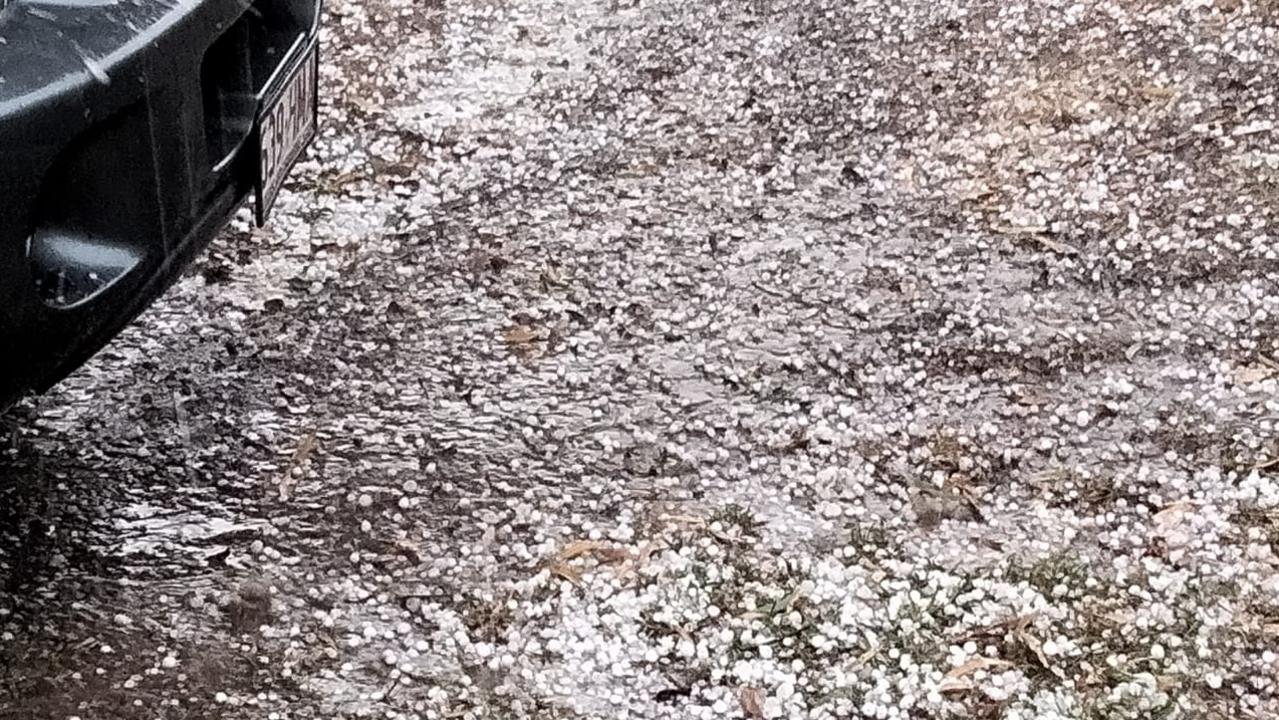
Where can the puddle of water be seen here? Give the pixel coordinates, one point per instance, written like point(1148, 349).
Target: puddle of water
point(148, 529)
point(474, 86)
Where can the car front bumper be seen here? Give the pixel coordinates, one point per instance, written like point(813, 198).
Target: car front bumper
point(125, 145)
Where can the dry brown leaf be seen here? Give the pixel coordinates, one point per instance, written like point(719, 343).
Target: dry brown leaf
point(1172, 513)
point(1253, 373)
point(954, 685)
point(978, 663)
point(299, 459)
point(1021, 631)
point(1060, 248)
point(578, 548)
point(1158, 91)
point(521, 335)
point(1020, 229)
point(629, 564)
point(336, 182)
point(682, 520)
point(646, 552)
point(1019, 623)
point(612, 555)
point(752, 701)
point(1177, 506)
point(1032, 642)
point(564, 572)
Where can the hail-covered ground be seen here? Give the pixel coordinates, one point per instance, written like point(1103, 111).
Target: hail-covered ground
point(721, 359)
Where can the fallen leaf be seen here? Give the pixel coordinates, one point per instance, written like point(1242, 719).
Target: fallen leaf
point(752, 701)
point(612, 555)
point(1060, 248)
point(337, 182)
point(646, 552)
point(578, 548)
point(1253, 373)
point(521, 335)
point(1171, 515)
point(683, 520)
point(1020, 229)
point(564, 572)
point(1158, 91)
point(1021, 622)
point(1030, 641)
point(300, 456)
point(629, 564)
point(977, 663)
point(1022, 633)
point(954, 685)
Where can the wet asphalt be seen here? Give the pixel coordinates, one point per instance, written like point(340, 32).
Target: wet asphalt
point(566, 269)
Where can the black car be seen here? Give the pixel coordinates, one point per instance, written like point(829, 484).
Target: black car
point(130, 132)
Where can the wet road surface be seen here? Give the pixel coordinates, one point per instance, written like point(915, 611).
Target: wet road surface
point(599, 348)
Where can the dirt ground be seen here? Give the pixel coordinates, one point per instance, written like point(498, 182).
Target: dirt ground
point(726, 359)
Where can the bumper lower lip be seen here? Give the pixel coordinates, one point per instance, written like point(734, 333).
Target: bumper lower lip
point(138, 147)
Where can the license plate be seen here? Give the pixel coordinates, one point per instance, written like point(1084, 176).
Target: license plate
point(285, 127)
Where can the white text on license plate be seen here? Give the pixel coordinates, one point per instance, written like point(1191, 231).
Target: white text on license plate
point(285, 128)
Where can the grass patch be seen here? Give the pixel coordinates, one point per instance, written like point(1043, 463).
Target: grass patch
point(1062, 569)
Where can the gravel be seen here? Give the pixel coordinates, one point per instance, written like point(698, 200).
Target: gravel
point(767, 359)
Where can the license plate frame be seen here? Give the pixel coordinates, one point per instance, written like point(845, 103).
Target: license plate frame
point(284, 127)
